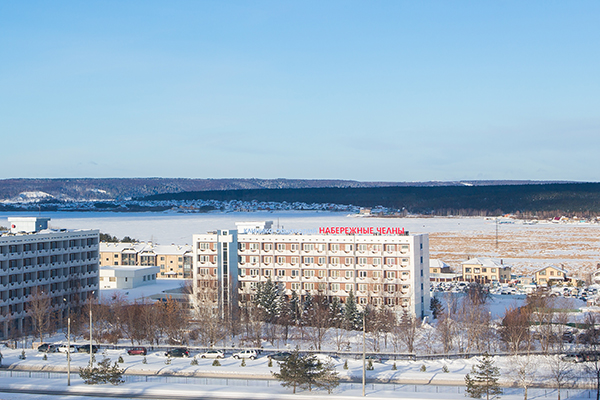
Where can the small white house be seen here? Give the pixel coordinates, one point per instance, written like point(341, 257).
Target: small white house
point(127, 277)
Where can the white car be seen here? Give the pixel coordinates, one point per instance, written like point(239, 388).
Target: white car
point(212, 354)
point(251, 354)
point(63, 348)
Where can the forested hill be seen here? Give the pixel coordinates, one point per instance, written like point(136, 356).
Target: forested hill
point(569, 198)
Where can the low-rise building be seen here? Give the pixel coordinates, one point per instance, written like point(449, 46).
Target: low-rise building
point(546, 275)
point(485, 270)
point(439, 271)
point(127, 277)
point(174, 261)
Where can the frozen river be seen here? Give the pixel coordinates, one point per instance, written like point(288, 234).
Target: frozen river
point(166, 228)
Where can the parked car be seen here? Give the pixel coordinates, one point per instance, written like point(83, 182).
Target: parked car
point(63, 348)
point(573, 357)
point(212, 354)
point(48, 348)
point(281, 356)
point(251, 354)
point(85, 348)
point(137, 351)
point(178, 352)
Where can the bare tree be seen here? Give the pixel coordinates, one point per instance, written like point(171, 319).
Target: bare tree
point(514, 330)
point(39, 309)
point(319, 320)
point(560, 372)
point(407, 329)
point(523, 370)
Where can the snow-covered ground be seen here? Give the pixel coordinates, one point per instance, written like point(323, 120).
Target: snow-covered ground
point(231, 379)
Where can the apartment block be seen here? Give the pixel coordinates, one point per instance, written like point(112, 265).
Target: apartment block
point(35, 260)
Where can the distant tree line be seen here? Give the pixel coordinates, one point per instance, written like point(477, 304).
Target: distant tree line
point(527, 199)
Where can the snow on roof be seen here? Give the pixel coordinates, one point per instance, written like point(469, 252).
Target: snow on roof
point(486, 262)
point(436, 263)
point(142, 247)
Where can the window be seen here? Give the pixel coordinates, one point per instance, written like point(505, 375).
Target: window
point(281, 272)
point(267, 260)
point(390, 261)
point(376, 274)
point(334, 247)
point(390, 274)
point(543, 272)
point(390, 288)
point(484, 270)
point(362, 274)
point(334, 274)
point(362, 247)
point(321, 260)
point(349, 260)
point(390, 247)
point(551, 272)
point(242, 246)
point(294, 260)
point(295, 286)
point(112, 279)
point(294, 246)
point(280, 260)
point(376, 288)
point(320, 247)
point(335, 260)
point(267, 272)
point(267, 246)
point(308, 273)
point(377, 261)
point(242, 271)
point(309, 286)
point(322, 273)
point(362, 287)
point(280, 247)
point(405, 247)
point(204, 246)
point(253, 246)
point(349, 287)
point(376, 247)
point(348, 247)
point(204, 271)
point(335, 286)
point(254, 272)
point(467, 270)
point(295, 272)
point(362, 260)
point(308, 247)
point(493, 270)
point(476, 270)
point(204, 259)
point(308, 260)
point(349, 274)
point(253, 259)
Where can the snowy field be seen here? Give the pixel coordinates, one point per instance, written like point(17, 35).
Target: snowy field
point(232, 380)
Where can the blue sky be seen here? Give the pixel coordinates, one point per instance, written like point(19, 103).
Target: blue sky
point(364, 90)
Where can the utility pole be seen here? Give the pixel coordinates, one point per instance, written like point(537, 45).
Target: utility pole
point(364, 374)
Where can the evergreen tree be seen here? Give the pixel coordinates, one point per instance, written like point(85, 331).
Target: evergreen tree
point(295, 308)
point(337, 313)
point(306, 372)
point(436, 307)
point(102, 373)
point(483, 379)
point(352, 317)
point(267, 299)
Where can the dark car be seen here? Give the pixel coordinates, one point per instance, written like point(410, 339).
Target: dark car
point(48, 348)
point(86, 348)
point(178, 352)
point(281, 356)
point(137, 351)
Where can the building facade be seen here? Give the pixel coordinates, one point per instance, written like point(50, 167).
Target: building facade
point(549, 274)
point(128, 277)
point(379, 269)
point(36, 261)
point(485, 270)
point(174, 261)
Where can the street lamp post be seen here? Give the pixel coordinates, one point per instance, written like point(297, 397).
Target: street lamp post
point(68, 342)
point(91, 304)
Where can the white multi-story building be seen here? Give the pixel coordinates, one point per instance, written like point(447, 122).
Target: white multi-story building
point(62, 264)
point(380, 266)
